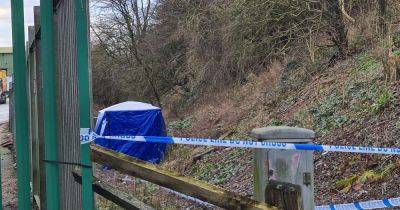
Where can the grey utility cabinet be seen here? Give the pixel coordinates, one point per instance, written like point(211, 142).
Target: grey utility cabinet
point(294, 167)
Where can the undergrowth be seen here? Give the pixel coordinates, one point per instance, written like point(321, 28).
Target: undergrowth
point(181, 124)
point(219, 172)
point(359, 96)
point(355, 181)
point(383, 100)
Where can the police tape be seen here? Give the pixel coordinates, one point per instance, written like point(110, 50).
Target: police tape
point(87, 136)
point(374, 204)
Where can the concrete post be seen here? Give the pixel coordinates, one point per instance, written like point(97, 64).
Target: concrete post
point(286, 166)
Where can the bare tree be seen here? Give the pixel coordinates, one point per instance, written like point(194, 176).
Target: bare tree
point(122, 26)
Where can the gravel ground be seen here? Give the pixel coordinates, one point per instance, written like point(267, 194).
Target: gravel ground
point(4, 112)
point(8, 174)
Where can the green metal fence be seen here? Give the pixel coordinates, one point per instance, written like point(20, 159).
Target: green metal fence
point(52, 101)
point(21, 105)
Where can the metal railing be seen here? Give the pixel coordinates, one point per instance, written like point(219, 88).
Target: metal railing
point(51, 103)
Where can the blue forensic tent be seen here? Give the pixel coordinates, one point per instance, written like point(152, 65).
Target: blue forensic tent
point(132, 118)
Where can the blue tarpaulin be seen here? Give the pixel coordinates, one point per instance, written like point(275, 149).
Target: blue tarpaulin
point(132, 118)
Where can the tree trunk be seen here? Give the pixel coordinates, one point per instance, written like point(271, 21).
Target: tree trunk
point(382, 17)
point(388, 60)
point(338, 30)
point(339, 37)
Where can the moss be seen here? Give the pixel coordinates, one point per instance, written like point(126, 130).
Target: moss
point(346, 184)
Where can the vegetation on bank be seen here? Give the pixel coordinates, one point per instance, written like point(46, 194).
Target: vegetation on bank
point(172, 52)
point(222, 68)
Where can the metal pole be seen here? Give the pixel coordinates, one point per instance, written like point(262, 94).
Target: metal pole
point(49, 104)
point(81, 18)
point(21, 105)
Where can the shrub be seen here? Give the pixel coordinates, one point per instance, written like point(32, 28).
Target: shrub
point(396, 40)
point(366, 63)
point(276, 122)
point(326, 114)
point(182, 124)
point(383, 100)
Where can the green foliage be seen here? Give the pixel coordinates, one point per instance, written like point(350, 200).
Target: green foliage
point(361, 95)
point(396, 40)
point(4, 151)
point(360, 91)
point(224, 173)
point(383, 100)
point(219, 172)
point(366, 63)
point(358, 97)
point(326, 114)
point(181, 124)
point(367, 176)
point(396, 53)
point(346, 184)
point(398, 124)
point(276, 122)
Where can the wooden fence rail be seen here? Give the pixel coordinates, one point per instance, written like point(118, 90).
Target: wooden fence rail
point(188, 186)
point(121, 199)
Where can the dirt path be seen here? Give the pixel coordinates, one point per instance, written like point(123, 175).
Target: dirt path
point(8, 174)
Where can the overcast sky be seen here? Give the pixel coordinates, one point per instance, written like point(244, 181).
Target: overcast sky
point(5, 20)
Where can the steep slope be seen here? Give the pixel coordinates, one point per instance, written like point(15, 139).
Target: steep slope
point(346, 104)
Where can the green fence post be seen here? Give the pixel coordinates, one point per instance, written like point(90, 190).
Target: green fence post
point(49, 104)
point(21, 105)
point(81, 18)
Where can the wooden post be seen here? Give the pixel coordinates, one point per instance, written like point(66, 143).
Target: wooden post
point(284, 195)
point(40, 193)
point(33, 111)
point(292, 169)
point(260, 175)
